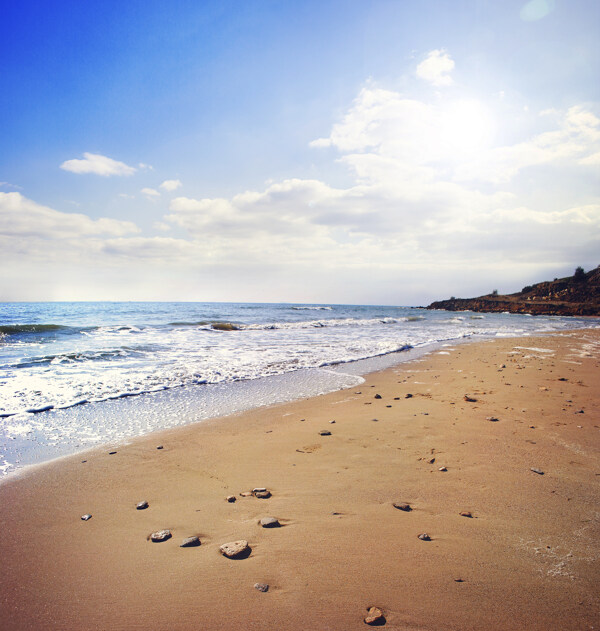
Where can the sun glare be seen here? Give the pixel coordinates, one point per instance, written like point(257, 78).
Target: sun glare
point(466, 127)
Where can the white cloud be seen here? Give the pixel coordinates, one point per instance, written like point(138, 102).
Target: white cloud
point(22, 217)
point(97, 164)
point(170, 185)
point(575, 140)
point(150, 193)
point(436, 68)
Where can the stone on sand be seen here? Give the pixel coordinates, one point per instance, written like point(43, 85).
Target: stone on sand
point(190, 542)
point(160, 535)
point(231, 498)
point(142, 505)
point(270, 522)
point(403, 506)
point(261, 587)
point(325, 432)
point(86, 517)
point(424, 537)
point(234, 549)
point(374, 617)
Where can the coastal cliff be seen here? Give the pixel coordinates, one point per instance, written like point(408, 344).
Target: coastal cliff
point(577, 295)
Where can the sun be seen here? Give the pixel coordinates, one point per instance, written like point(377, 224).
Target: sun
point(466, 127)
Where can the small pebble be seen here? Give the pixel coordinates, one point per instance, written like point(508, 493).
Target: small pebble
point(261, 587)
point(190, 542)
point(492, 419)
point(442, 469)
point(160, 447)
point(270, 522)
point(142, 505)
point(86, 517)
point(374, 617)
point(408, 396)
point(403, 506)
point(431, 460)
point(246, 494)
point(459, 580)
point(424, 537)
point(234, 549)
point(538, 471)
point(112, 453)
point(263, 495)
point(332, 421)
point(377, 396)
point(231, 498)
point(470, 399)
point(160, 535)
point(466, 513)
point(259, 489)
point(325, 432)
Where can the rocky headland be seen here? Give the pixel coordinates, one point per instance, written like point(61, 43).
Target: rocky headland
point(577, 295)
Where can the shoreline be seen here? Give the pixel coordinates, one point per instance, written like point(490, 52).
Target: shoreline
point(526, 558)
point(206, 402)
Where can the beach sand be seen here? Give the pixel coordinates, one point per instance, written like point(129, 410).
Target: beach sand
point(527, 558)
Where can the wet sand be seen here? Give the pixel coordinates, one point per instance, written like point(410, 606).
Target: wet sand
point(527, 558)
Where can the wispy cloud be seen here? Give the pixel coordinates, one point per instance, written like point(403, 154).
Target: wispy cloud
point(150, 193)
point(436, 68)
point(98, 165)
point(171, 185)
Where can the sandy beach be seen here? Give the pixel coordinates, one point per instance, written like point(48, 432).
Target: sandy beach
point(504, 431)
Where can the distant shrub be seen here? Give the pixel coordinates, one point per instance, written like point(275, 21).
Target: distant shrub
point(495, 292)
point(528, 288)
point(452, 297)
point(579, 274)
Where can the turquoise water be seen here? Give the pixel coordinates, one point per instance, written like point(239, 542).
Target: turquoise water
point(68, 371)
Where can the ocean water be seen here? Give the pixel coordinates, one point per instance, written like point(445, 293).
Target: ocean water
point(74, 375)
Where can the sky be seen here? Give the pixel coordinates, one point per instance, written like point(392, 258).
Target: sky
point(362, 152)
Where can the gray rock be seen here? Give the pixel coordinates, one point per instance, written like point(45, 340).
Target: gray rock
point(424, 537)
point(259, 489)
point(466, 513)
point(538, 471)
point(231, 498)
point(261, 587)
point(160, 447)
point(160, 535)
point(190, 542)
point(86, 517)
point(403, 506)
point(270, 522)
point(492, 419)
point(325, 432)
point(377, 396)
point(142, 505)
point(442, 469)
point(234, 549)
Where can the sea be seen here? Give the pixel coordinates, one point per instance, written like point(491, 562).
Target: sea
point(74, 375)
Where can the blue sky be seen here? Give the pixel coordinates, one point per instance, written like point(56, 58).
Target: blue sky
point(378, 152)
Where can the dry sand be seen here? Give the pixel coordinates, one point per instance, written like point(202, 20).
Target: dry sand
point(528, 558)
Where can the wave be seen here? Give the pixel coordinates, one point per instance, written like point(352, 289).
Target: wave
point(83, 356)
point(16, 329)
point(307, 308)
